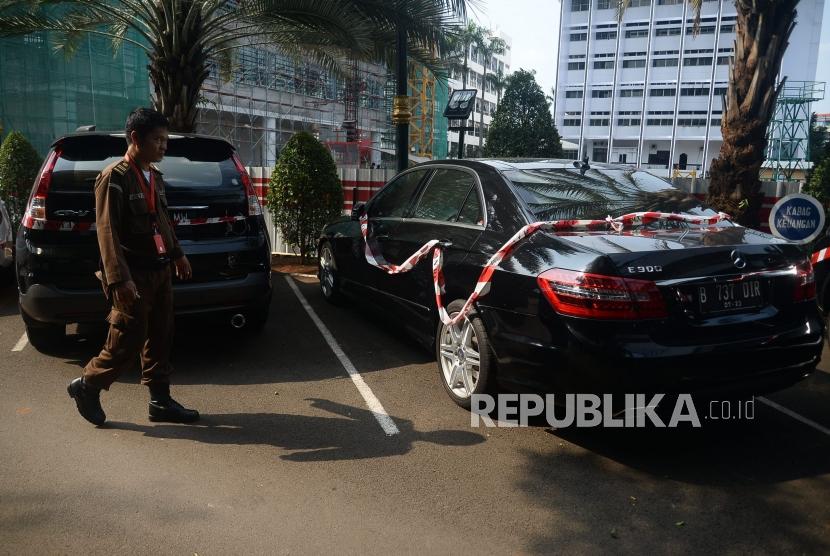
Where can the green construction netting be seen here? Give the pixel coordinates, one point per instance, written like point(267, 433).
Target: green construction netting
point(44, 95)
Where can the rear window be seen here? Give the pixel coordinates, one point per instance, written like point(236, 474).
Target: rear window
point(564, 194)
point(188, 163)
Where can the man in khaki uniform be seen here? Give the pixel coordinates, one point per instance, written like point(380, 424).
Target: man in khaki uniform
point(138, 247)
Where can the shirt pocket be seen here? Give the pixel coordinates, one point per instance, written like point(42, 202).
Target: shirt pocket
point(140, 219)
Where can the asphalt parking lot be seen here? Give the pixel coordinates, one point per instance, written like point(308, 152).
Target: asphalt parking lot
point(294, 455)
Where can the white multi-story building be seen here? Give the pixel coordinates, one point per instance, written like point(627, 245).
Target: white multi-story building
point(485, 100)
point(648, 90)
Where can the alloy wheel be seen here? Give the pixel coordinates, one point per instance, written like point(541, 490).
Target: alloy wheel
point(460, 357)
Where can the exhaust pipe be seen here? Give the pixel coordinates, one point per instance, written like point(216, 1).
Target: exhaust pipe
point(238, 321)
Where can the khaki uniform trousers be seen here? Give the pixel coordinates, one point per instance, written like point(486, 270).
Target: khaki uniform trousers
point(144, 329)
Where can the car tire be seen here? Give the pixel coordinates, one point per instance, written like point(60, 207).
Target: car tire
point(457, 349)
point(327, 273)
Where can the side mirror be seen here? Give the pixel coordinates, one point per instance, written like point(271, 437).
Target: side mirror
point(358, 210)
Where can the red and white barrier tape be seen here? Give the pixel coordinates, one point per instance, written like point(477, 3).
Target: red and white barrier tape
point(68, 226)
point(482, 285)
point(820, 255)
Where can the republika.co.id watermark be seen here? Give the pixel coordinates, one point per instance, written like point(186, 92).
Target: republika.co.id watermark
point(592, 410)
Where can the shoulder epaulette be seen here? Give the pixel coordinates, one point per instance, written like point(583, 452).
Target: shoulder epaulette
point(156, 169)
point(121, 168)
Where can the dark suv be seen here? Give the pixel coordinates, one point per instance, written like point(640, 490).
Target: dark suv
point(219, 224)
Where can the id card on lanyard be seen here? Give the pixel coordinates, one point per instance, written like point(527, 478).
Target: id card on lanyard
point(149, 191)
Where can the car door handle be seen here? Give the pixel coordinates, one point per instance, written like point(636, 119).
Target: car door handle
point(445, 243)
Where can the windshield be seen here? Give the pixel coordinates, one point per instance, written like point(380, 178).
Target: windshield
point(188, 163)
point(565, 194)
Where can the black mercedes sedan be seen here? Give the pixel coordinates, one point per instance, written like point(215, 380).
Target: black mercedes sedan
point(631, 286)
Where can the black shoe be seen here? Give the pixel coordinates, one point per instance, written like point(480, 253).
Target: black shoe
point(170, 411)
point(88, 400)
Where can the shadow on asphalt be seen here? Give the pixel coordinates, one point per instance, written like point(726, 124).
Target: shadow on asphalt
point(353, 434)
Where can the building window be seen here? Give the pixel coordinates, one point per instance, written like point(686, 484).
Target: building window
point(716, 122)
point(720, 91)
point(571, 122)
point(697, 61)
point(601, 93)
point(634, 63)
point(606, 4)
point(727, 28)
point(576, 65)
point(636, 33)
point(669, 2)
point(694, 91)
point(662, 92)
point(704, 30)
point(604, 65)
point(628, 122)
point(667, 32)
point(660, 121)
point(573, 94)
point(579, 5)
point(578, 37)
point(606, 35)
point(625, 93)
point(622, 158)
point(691, 122)
point(664, 63)
point(724, 60)
point(600, 122)
point(639, 3)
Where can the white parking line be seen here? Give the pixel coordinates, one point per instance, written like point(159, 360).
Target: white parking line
point(21, 343)
point(795, 415)
point(374, 405)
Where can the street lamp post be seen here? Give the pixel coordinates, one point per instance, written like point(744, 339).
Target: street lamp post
point(401, 111)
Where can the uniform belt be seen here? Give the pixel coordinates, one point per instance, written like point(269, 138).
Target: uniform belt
point(148, 263)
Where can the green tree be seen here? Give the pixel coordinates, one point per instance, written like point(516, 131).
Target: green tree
point(19, 165)
point(817, 140)
point(460, 44)
point(305, 193)
point(523, 126)
point(818, 184)
point(184, 38)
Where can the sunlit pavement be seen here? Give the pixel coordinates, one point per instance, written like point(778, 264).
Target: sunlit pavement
point(288, 458)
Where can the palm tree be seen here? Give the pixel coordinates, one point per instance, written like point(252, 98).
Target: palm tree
point(184, 38)
point(461, 42)
point(488, 48)
point(762, 32)
point(551, 98)
point(498, 79)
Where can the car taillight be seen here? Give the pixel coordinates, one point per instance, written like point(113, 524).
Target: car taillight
point(582, 294)
point(805, 282)
point(254, 208)
point(37, 204)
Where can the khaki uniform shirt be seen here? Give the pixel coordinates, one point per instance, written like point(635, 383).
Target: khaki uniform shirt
point(125, 226)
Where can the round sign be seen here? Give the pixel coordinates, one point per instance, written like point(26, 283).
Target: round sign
point(798, 218)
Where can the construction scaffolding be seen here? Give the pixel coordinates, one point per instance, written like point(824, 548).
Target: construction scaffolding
point(45, 95)
point(428, 128)
point(788, 145)
point(268, 97)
